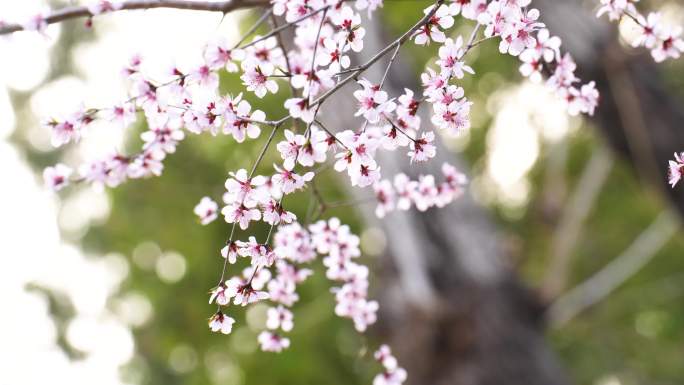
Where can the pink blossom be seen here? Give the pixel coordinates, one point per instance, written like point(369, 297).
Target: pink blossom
point(162, 138)
point(384, 356)
point(256, 78)
point(314, 148)
point(220, 322)
point(57, 177)
point(123, 115)
point(288, 181)
point(676, 172)
point(103, 6)
point(372, 102)
point(219, 54)
point(275, 214)
point(289, 148)
point(432, 30)
point(241, 214)
point(271, 342)
point(299, 109)
point(206, 210)
point(279, 317)
point(238, 120)
point(405, 190)
point(230, 251)
point(670, 45)
point(240, 188)
point(422, 148)
point(395, 377)
point(384, 193)
point(450, 59)
point(351, 33)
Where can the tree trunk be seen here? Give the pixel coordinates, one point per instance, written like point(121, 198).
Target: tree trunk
point(450, 307)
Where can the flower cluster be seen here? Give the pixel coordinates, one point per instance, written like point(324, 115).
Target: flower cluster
point(423, 193)
point(662, 40)
point(340, 247)
point(293, 247)
point(392, 373)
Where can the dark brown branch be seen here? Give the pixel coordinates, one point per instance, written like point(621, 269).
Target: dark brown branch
point(82, 11)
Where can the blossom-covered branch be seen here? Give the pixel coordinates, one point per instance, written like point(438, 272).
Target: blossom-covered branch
point(40, 21)
point(662, 39)
point(316, 65)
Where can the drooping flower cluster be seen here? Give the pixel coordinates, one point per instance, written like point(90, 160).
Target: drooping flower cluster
point(340, 247)
point(295, 246)
point(423, 193)
point(392, 373)
point(664, 41)
point(521, 34)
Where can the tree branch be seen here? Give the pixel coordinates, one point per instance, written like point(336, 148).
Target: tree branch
point(601, 284)
point(82, 11)
point(574, 215)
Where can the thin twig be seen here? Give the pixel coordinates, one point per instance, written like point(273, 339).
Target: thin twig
point(608, 279)
point(254, 27)
point(573, 217)
point(389, 65)
point(75, 12)
point(286, 26)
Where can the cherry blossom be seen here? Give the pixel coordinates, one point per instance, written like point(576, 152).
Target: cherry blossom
point(255, 78)
point(422, 148)
point(122, 115)
point(241, 214)
point(219, 54)
point(390, 377)
point(241, 188)
point(275, 214)
point(314, 148)
point(57, 177)
point(272, 342)
point(663, 40)
point(163, 138)
point(230, 252)
point(385, 196)
point(103, 6)
point(206, 210)
point(299, 109)
point(279, 317)
point(676, 172)
point(220, 322)
point(289, 148)
point(449, 59)
point(36, 23)
point(432, 30)
point(392, 374)
point(670, 45)
point(372, 101)
point(288, 181)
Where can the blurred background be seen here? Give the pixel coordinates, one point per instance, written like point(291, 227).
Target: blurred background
point(572, 215)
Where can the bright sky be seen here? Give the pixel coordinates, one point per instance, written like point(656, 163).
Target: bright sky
point(40, 232)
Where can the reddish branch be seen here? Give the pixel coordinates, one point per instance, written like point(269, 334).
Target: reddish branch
point(82, 11)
